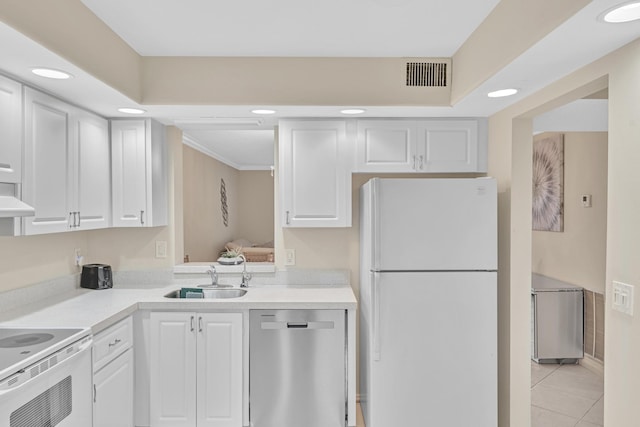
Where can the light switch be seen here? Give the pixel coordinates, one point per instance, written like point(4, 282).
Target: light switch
point(161, 249)
point(585, 199)
point(623, 298)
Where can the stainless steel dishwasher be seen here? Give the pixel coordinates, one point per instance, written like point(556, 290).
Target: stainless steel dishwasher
point(297, 368)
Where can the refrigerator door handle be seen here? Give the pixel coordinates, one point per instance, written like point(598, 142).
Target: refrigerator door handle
point(375, 308)
point(534, 322)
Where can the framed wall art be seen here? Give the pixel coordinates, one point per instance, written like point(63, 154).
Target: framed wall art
point(548, 182)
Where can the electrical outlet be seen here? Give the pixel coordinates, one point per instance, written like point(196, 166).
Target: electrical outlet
point(77, 258)
point(290, 257)
point(623, 298)
point(161, 249)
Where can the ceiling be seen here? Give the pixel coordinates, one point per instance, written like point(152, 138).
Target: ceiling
point(398, 28)
point(293, 27)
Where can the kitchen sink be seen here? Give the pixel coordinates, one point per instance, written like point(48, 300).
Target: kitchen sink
point(221, 293)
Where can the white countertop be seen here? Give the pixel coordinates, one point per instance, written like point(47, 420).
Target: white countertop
point(98, 309)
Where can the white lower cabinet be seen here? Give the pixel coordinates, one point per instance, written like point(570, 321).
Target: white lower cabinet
point(113, 393)
point(196, 364)
point(113, 376)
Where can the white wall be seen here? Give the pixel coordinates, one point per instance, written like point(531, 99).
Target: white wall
point(578, 254)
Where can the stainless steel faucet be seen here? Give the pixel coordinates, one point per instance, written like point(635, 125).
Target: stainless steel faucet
point(214, 275)
point(245, 276)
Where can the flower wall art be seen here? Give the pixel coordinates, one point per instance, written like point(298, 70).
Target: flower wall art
point(548, 182)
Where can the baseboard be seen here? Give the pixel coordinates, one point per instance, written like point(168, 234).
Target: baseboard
point(594, 365)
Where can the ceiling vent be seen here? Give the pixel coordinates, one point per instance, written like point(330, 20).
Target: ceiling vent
point(427, 74)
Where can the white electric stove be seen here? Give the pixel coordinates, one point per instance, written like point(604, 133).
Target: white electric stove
point(45, 377)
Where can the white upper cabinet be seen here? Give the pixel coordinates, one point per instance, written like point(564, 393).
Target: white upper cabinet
point(47, 166)
point(10, 131)
point(66, 167)
point(386, 146)
point(422, 146)
point(139, 158)
point(92, 170)
point(315, 165)
point(449, 146)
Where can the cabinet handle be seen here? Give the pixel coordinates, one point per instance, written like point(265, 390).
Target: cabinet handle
point(421, 162)
point(95, 393)
point(288, 219)
point(200, 324)
point(193, 328)
point(5, 167)
point(142, 217)
point(71, 220)
point(116, 342)
point(78, 219)
point(414, 162)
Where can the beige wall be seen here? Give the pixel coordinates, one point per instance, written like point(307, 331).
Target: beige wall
point(204, 231)
point(255, 206)
point(31, 259)
point(578, 254)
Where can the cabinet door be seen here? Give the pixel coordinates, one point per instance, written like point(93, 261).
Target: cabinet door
point(449, 145)
point(315, 175)
point(113, 393)
point(173, 369)
point(47, 164)
point(219, 370)
point(129, 168)
point(93, 171)
point(386, 146)
point(10, 130)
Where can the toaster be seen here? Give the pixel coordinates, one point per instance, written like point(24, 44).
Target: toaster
point(96, 276)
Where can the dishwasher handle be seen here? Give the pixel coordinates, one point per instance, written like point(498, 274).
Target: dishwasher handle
point(297, 325)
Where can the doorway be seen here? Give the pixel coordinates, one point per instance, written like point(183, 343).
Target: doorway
point(569, 248)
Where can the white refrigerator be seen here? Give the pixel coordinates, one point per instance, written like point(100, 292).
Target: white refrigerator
point(428, 302)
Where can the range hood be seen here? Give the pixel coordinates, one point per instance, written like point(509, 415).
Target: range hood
point(10, 205)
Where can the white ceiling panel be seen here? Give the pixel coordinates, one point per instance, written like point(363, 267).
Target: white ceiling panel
point(354, 28)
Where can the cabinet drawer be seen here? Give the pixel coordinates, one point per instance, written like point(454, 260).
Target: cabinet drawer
point(111, 342)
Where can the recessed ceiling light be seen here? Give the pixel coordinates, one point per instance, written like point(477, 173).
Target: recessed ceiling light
point(622, 13)
point(50, 73)
point(263, 111)
point(131, 110)
point(502, 93)
point(353, 111)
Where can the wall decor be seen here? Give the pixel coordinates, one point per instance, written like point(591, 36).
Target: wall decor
point(548, 182)
point(223, 203)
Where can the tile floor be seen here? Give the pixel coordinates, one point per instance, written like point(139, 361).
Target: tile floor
point(566, 396)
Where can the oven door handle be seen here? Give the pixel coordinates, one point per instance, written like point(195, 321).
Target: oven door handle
point(23, 375)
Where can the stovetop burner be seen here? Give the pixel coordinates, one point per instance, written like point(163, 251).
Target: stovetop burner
point(25, 340)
